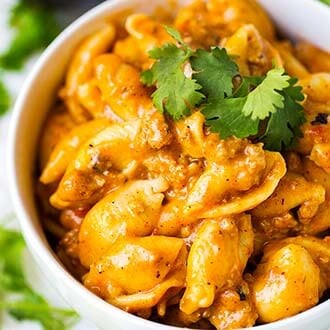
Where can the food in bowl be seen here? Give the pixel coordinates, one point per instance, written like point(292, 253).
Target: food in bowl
point(185, 174)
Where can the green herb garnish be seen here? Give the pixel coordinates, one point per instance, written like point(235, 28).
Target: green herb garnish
point(214, 70)
point(17, 297)
point(266, 108)
point(265, 98)
point(176, 94)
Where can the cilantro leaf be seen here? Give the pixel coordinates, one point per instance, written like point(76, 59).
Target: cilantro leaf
point(17, 297)
point(265, 98)
point(170, 57)
point(35, 27)
point(4, 99)
point(224, 116)
point(246, 85)
point(176, 94)
point(214, 71)
point(174, 34)
point(283, 126)
point(179, 100)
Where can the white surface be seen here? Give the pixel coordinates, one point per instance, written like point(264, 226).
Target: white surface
point(30, 109)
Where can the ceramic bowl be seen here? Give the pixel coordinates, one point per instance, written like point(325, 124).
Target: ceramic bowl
point(34, 101)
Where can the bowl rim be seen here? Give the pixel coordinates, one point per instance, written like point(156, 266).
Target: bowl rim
point(34, 241)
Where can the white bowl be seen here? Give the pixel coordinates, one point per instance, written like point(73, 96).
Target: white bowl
point(301, 19)
point(32, 105)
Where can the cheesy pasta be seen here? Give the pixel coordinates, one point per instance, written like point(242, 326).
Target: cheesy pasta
point(163, 218)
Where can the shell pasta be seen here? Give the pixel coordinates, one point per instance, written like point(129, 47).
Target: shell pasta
point(165, 219)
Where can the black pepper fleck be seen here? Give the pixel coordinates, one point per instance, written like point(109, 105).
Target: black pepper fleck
point(320, 119)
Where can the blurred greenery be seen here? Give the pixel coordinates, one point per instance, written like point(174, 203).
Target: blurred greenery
point(17, 297)
point(5, 101)
point(35, 26)
point(327, 2)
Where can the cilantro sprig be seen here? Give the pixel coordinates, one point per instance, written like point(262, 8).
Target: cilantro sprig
point(17, 297)
point(176, 94)
point(264, 108)
point(274, 103)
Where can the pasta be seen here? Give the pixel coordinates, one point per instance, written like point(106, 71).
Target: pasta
point(81, 67)
point(277, 276)
point(218, 233)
